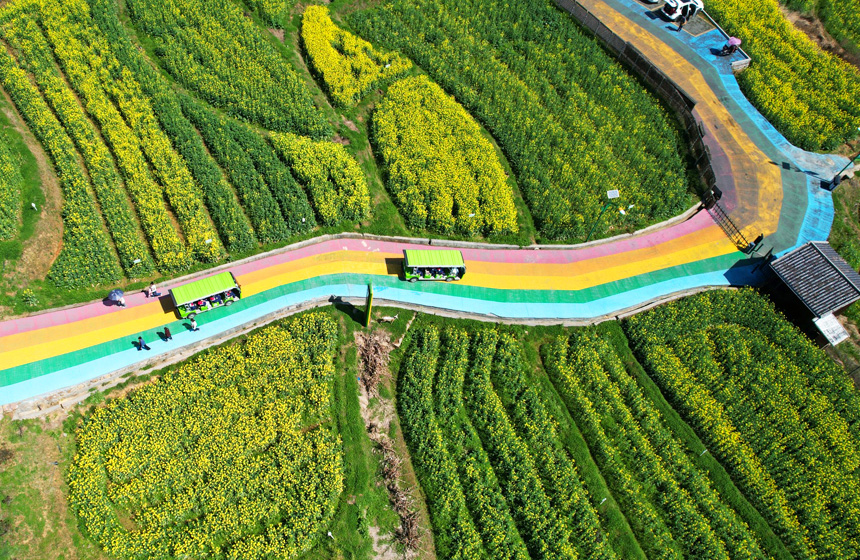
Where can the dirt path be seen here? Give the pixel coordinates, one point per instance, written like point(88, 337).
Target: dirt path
point(43, 247)
point(814, 29)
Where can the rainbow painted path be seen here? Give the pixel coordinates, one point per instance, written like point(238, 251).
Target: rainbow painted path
point(770, 187)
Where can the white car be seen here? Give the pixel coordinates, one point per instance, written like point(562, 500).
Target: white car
point(673, 9)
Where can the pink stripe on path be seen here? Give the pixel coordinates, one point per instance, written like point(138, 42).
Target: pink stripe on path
point(700, 221)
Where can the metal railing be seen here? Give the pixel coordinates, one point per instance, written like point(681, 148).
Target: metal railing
point(728, 226)
point(662, 85)
point(737, 65)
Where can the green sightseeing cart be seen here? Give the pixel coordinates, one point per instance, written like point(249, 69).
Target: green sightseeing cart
point(420, 264)
point(201, 296)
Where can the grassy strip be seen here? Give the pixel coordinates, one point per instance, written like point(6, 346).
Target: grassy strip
point(722, 482)
point(31, 191)
point(362, 502)
point(845, 235)
point(32, 492)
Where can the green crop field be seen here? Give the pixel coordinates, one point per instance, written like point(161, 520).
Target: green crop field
point(653, 437)
point(164, 123)
point(260, 451)
point(577, 454)
point(142, 140)
point(568, 117)
point(780, 416)
point(805, 92)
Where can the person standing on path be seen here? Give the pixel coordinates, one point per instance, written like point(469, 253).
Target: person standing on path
point(194, 325)
point(141, 344)
point(121, 302)
point(167, 335)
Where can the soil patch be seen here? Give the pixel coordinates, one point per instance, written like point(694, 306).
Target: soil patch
point(382, 548)
point(814, 29)
point(278, 33)
point(349, 124)
point(341, 140)
point(373, 350)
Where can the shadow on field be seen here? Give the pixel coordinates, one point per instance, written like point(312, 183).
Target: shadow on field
point(348, 309)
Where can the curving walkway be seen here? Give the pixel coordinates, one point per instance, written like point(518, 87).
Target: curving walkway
point(770, 187)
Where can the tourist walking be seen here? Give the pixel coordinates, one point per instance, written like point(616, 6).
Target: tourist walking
point(194, 325)
point(141, 344)
point(167, 335)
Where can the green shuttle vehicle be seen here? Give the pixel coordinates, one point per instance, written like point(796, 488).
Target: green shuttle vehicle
point(206, 294)
point(421, 264)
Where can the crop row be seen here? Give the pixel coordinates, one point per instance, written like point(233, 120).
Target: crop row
point(560, 476)
point(297, 210)
point(143, 151)
point(778, 413)
point(444, 174)
point(348, 66)
point(273, 13)
point(518, 482)
point(686, 517)
point(86, 258)
point(233, 226)
point(571, 121)
point(491, 512)
point(455, 535)
point(23, 33)
point(227, 456)
point(545, 534)
point(164, 199)
point(211, 48)
point(220, 136)
point(807, 94)
point(11, 184)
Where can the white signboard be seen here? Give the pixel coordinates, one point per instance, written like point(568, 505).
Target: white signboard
point(831, 329)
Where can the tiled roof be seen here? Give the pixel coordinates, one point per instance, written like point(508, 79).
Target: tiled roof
point(822, 279)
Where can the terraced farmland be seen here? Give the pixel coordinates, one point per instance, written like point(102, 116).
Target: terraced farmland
point(148, 186)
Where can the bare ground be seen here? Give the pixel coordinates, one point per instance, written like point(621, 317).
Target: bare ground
point(814, 29)
point(383, 549)
point(278, 33)
point(349, 124)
